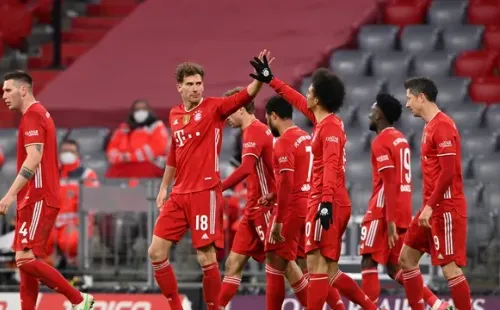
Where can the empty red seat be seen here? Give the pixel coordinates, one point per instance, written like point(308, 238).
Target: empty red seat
point(484, 13)
point(420, 3)
point(491, 38)
point(84, 35)
point(110, 9)
point(404, 14)
point(15, 24)
point(95, 22)
point(41, 78)
point(485, 89)
point(43, 11)
point(475, 63)
point(70, 52)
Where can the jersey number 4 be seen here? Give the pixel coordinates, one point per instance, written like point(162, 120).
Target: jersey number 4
point(23, 230)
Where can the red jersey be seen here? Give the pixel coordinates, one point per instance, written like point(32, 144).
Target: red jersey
point(441, 138)
point(293, 152)
point(390, 150)
point(197, 140)
point(37, 127)
point(328, 147)
point(258, 141)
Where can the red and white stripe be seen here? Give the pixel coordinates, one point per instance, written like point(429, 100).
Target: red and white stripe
point(447, 194)
point(262, 177)
point(456, 281)
point(217, 140)
point(317, 228)
point(372, 232)
point(335, 277)
point(407, 275)
point(213, 209)
point(448, 233)
point(38, 176)
point(232, 280)
point(381, 198)
point(368, 271)
point(274, 271)
point(161, 266)
point(301, 285)
point(35, 219)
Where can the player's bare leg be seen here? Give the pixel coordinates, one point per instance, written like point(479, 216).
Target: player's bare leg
point(164, 274)
point(459, 287)
point(207, 257)
point(412, 278)
point(333, 300)
point(232, 277)
point(32, 269)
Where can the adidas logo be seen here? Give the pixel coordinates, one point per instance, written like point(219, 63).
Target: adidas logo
point(204, 237)
point(440, 256)
point(308, 242)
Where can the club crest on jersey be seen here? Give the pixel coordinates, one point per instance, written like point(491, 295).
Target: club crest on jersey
point(197, 116)
point(186, 119)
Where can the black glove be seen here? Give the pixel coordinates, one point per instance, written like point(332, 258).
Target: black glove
point(325, 215)
point(263, 70)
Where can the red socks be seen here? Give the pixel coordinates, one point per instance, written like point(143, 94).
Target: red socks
point(334, 300)
point(211, 285)
point(370, 283)
point(229, 288)
point(414, 288)
point(165, 277)
point(28, 289)
point(275, 292)
point(300, 290)
point(317, 291)
point(460, 292)
point(350, 289)
point(50, 277)
point(429, 296)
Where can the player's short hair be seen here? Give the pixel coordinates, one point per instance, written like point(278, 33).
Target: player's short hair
point(72, 142)
point(20, 76)
point(390, 106)
point(249, 107)
point(188, 69)
point(280, 106)
point(329, 89)
point(422, 85)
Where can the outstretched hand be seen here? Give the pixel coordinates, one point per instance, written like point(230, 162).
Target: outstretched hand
point(261, 65)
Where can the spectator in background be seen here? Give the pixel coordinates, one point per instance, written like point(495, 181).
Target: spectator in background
point(139, 145)
point(72, 174)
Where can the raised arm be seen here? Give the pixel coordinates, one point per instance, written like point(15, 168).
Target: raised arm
point(228, 105)
point(293, 97)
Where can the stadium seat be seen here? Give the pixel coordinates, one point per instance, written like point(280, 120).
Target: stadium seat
point(391, 64)
point(61, 134)
point(402, 14)
point(483, 13)
point(301, 120)
point(467, 116)
point(362, 89)
point(8, 141)
point(473, 192)
point(91, 140)
point(98, 163)
point(304, 86)
point(416, 201)
point(491, 196)
point(477, 143)
point(358, 139)
point(348, 63)
point(419, 38)
point(15, 24)
point(446, 13)
point(356, 170)
point(475, 63)
point(8, 171)
point(420, 3)
point(229, 141)
point(485, 89)
point(396, 88)
point(432, 64)
point(416, 172)
point(347, 113)
point(362, 112)
point(360, 196)
point(487, 169)
point(491, 39)
point(377, 37)
point(451, 90)
point(467, 169)
point(492, 117)
point(462, 37)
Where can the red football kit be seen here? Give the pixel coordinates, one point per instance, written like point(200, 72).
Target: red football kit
point(391, 197)
point(196, 198)
point(328, 176)
point(37, 201)
point(293, 163)
point(443, 192)
point(256, 169)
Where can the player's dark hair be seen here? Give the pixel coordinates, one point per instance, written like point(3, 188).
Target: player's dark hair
point(280, 106)
point(249, 107)
point(390, 106)
point(72, 142)
point(19, 75)
point(422, 85)
point(329, 89)
point(188, 69)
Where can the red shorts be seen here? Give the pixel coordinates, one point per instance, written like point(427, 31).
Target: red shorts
point(446, 240)
point(34, 223)
point(294, 233)
point(328, 241)
point(250, 237)
point(375, 241)
point(200, 211)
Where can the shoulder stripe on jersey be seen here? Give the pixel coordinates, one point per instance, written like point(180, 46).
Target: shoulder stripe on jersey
point(250, 154)
point(385, 167)
point(262, 177)
point(446, 154)
point(217, 139)
point(286, 169)
point(38, 176)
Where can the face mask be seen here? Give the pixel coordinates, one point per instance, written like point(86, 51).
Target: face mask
point(140, 116)
point(67, 158)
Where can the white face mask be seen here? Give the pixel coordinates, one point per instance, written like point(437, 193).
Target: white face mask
point(140, 116)
point(67, 158)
